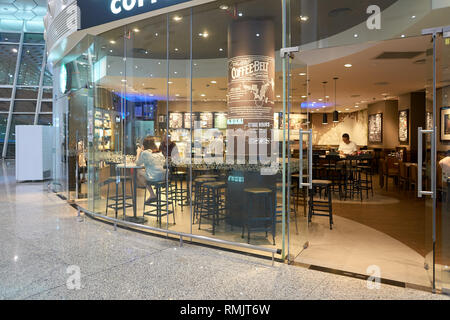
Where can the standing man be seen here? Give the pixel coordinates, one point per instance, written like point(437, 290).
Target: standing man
point(347, 147)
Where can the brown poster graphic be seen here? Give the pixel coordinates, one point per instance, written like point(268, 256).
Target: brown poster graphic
point(251, 91)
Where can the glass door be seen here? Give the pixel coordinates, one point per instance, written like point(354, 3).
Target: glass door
point(297, 152)
point(433, 182)
point(442, 236)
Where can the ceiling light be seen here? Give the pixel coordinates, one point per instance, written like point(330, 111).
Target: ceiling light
point(204, 34)
point(346, 109)
point(213, 81)
point(257, 34)
point(356, 106)
point(413, 17)
point(303, 97)
point(348, 65)
point(304, 18)
point(403, 35)
point(203, 95)
point(177, 18)
point(223, 7)
point(302, 74)
point(169, 82)
point(112, 41)
point(156, 34)
point(14, 50)
point(355, 35)
point(136, 30)
point(240, 14)
point(220, 49)
point(176, 49)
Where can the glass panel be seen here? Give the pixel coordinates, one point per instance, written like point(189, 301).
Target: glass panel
point(46, 106)
point(9, 37)
point(45, 119)
point(47, 93)
point(443, 166)
point(3, 123)
point(176, 137)
point(48, 82)
point(234, 72)
point(24, 106)
point(5, 93)
point(33, 38)
point(328, 23)
point(4, 106)
point(30, 65)
point(26, 93)
point(8, 57)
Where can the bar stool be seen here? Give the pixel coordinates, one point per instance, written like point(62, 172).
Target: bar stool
point(118, 198)
point(198, 195)
point(159, 207)
point(319, 207)
point(255, 222)
point(213, 205)
point(365, 179)
point(180, 194)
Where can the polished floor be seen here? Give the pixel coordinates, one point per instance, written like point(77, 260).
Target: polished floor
point(390, 230)
point(42, 240)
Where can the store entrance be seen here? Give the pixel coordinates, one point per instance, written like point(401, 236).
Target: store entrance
point(365, 152)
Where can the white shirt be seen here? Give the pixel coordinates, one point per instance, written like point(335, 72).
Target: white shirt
point(349, 148)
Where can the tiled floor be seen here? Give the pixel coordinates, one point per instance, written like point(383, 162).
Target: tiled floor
point(41, 237)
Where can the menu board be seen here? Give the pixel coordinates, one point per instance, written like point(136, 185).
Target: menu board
point(220, 120)
point(187, 120)
point(206, 120)
point(175, 120)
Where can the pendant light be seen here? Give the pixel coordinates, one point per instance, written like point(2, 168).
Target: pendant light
point(335, 113)
point(325, 115)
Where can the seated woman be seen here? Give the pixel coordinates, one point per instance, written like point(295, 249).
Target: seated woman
point(154, 161)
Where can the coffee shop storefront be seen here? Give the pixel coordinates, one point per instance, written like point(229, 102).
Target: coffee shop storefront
point(255, 96)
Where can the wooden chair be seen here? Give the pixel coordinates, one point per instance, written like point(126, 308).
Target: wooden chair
point(391, 170)
point(403, 176)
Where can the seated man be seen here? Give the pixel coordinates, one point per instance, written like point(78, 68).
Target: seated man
point(347, 147)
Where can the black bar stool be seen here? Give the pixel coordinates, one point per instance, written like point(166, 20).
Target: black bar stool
point(365, 179)
point(159, 207)
point(259, 220)
point(198, 195)
point(213, 205)
point(319, 207)
point(119, 200)
point(180, 194)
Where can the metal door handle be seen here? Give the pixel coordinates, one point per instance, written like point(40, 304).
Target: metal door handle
point(310, 156)
point(420, 133)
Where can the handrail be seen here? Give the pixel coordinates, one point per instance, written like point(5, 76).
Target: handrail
point(180, 234)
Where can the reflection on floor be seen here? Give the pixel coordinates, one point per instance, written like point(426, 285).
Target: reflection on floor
point(388, 230)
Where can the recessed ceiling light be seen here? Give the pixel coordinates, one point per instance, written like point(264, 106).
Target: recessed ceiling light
point(403, 35)
point(257, 34)
point(176, 49)
point(240, 14)
point(347, 109)
point(223, 7)
point(204, 34)
point(213, 81)
point(14, 50)
point(136, 30)
point(304, 18)
point(355, 35)
point(413, 17)
point(348, 65)
point(177, 18)
point(303, 97)
point(203, 95)
point(220, 49)
point(156, 34)
point(302, 74)
point(356, 106)
point(169, 82)
point(177, 95)
point(112, 41)
point(110, 50)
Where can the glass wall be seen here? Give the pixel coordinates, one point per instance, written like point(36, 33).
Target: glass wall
point(190, 121)
point(25, 85)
